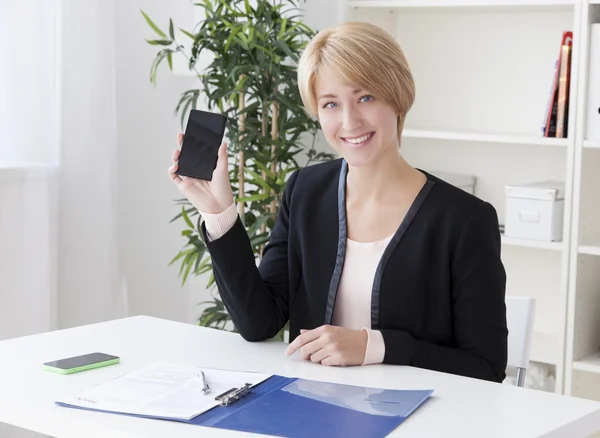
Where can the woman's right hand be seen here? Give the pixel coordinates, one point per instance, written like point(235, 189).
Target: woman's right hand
point(210, 197)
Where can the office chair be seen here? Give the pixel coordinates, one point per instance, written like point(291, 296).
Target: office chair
point(519, 317)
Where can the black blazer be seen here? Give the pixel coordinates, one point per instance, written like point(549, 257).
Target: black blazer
point(439, 290)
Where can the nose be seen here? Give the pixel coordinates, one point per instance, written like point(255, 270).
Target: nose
point(352, 120)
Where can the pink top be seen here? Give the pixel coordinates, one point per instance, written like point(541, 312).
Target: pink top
point(353, 302)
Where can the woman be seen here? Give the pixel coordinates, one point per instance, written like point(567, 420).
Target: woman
point(370, 259)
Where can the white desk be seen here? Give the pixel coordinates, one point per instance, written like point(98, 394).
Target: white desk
point(459, 407)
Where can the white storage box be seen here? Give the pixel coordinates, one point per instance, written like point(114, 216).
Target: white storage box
point(465, 182)
point(535, 211)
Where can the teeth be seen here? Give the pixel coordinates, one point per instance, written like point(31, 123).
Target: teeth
point(359, 139)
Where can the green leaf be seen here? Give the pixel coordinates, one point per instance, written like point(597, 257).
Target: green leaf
point(188, 268)
point(188, 211)
point(184, 263)
point(211, 280)
point(265, 169)
point(186, 218)
point(258, 180)
point(254, 198)
point(159, 42)
point(152, 25)
point(185, 32)
point(181, 254)
point(285, 48)
point(282, 29)
point(170, 61)
point(171, 31)
point(248, 8)
point(259, 240)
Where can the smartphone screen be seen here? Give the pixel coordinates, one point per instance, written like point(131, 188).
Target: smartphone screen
point(202, 138)
point(80, 361)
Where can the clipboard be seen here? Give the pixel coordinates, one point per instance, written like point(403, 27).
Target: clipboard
point(298, 408)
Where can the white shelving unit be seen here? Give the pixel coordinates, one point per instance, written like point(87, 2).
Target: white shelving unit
point(591, 144)
point(458, 5)
point(526, 243)
point(583, 334)
point(481, 137)
point(483, 69)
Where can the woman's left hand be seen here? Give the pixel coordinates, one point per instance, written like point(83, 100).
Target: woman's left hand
point(331, 345)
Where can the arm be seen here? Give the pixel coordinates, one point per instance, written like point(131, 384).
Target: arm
point(256, 298)
point(479, 309)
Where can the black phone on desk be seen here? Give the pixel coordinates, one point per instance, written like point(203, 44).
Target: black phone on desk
point(200, 149)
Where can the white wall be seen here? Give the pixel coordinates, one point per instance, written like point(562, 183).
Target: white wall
point(146, 138)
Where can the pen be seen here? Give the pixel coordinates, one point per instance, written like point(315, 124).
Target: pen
point(205, 387)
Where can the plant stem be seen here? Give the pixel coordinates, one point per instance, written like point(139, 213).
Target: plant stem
point(274, 136)
point(242, 123)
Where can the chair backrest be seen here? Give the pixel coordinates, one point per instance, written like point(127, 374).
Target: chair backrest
point(519, 317)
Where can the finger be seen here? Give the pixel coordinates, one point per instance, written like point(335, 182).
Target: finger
point(301, 340)
point(222, 161)
point(320, 355)
point(175, 156)
point(329, 361)
point(180, 139)
point(312, 347)
point(174, 177)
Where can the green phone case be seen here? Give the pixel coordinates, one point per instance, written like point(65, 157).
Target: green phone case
point(82, 368)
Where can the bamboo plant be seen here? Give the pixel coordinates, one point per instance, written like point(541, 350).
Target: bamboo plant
point(252, 80)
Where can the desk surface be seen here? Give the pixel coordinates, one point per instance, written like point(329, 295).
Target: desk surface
point(459, 407)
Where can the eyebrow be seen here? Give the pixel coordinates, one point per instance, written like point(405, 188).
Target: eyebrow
point(330, 96)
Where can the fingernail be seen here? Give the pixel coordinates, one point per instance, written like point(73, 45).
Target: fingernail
point(303, 330)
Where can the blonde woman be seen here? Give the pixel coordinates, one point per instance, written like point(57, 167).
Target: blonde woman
point(370, 259)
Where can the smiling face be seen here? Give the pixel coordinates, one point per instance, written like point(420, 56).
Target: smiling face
point(361, 127)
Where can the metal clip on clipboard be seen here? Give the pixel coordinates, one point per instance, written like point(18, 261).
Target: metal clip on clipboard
point(232, 395)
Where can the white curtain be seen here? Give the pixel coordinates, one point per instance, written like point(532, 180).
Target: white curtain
point(59, 252)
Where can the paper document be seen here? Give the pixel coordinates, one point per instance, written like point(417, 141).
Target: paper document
point(162, 390)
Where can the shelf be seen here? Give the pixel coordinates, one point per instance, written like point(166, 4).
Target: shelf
point(481, 137)
point(589, 249)
point(590, 364)
point(530, 243)
point(592, 144)
point(544, 348)
point(464, 4)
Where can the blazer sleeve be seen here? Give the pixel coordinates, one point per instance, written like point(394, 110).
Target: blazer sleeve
point(256, 298)
point(478, 285)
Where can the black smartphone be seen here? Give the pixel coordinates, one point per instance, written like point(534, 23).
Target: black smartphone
point(200, 149)
point(84, 362)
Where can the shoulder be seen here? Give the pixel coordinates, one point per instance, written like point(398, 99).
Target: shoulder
point(316, 178)
point(455, 211)
point(322, 171)
point(454, 201)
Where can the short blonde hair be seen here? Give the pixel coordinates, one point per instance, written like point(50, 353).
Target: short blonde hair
point(364, 55)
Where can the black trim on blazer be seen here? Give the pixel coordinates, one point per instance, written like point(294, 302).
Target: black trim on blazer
point(341, 247)
point(410, 215)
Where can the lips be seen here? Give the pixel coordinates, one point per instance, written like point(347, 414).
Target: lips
point(357, 141)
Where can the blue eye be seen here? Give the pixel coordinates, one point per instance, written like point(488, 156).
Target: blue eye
point(329, 103)
point(368, 97)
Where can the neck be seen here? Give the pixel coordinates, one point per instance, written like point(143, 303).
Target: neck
point(377, 181)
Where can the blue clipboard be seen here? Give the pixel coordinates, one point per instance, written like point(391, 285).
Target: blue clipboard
point(299, 408)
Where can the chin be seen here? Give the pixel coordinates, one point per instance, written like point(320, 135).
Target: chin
point(360, 157)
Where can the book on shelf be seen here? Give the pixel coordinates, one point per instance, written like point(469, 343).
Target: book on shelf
point(557, 108)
